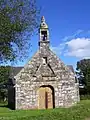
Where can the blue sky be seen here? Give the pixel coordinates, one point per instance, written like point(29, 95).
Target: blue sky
point(69, 25)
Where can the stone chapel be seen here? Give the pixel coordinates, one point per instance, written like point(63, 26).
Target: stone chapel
point(45, 81)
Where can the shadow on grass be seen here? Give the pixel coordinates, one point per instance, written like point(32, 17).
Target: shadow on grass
point(4, 104)
point(7, 105)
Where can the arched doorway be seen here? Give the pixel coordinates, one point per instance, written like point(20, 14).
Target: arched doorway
point(46, 98)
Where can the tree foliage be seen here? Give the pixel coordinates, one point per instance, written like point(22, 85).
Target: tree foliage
point(83, 72)
point(17, 17)
point(4, 77)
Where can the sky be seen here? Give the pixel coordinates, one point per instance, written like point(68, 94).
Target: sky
point(69, 26)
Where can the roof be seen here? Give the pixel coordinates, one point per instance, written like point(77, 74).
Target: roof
point(71, 68)
point(14, 71)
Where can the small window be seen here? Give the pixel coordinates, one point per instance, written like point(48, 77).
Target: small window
point(44, 60)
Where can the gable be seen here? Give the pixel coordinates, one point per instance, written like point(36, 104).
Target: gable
point(53, 68)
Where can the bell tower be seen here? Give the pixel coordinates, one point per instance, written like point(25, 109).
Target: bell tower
point(43, 34)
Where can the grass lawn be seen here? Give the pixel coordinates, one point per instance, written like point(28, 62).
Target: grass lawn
point(79, 112)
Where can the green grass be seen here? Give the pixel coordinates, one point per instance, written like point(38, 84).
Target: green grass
point(79, 112)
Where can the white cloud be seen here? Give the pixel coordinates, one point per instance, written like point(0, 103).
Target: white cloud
point(61, 47)
point(78, 43)
point(58, 50)
point(79, 47)
point(74, 46)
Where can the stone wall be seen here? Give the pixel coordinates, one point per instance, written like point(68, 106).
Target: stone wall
point(54, 72)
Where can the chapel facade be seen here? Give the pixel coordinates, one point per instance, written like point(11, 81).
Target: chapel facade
point(45, 81)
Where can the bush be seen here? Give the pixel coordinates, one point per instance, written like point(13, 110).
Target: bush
point(85, 97)
point(82, 91)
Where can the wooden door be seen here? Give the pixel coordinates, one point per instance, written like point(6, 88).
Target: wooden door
point(45, 98)
point(49, 97)
point(41, 98)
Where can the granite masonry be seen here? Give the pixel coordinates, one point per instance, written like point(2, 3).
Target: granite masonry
point(45, 81)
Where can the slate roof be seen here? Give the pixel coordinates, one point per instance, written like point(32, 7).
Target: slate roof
point(14, 71)
point(71, 68)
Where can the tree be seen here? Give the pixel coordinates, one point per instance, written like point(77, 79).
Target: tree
point(18, 20)
point(4, 77)
point(83, 72)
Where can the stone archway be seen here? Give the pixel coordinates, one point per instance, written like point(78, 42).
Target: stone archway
point(46, 98)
